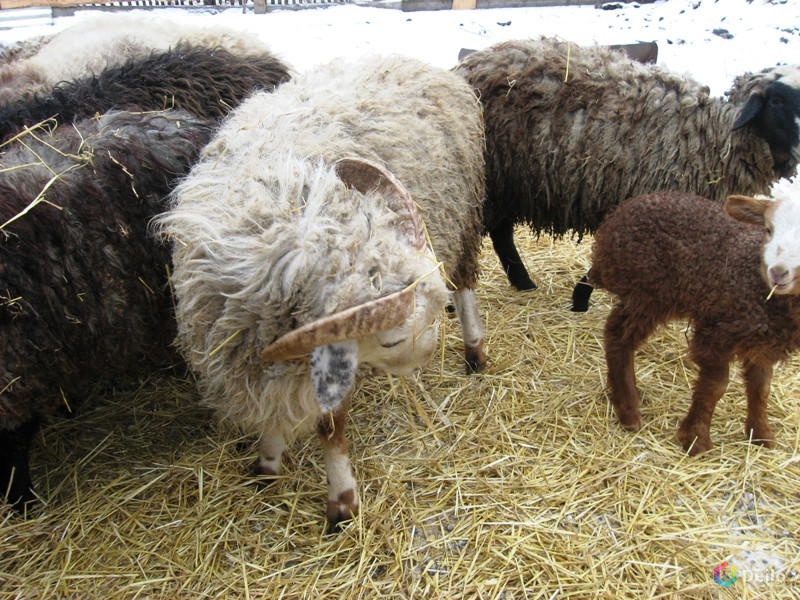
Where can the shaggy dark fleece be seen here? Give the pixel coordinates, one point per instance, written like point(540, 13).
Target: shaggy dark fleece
point(206, 82)
point(668, 256)
point(567, 140)
point(84, 286)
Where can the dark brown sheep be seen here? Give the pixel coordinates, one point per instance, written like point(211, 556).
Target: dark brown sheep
point(206, 82)
point(667, 256)
point(84, 286)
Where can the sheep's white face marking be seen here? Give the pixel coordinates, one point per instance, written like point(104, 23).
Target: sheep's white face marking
point(781, 254)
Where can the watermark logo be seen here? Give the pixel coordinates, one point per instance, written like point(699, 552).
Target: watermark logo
point(725, 574)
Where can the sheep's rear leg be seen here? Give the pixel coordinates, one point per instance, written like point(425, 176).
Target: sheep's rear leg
point(271, 446)
point(15, 477)
point(581, 294)
point(469, 315)
point(342, 494)
point(712, 380)
point(622, 336)
point(757, 379)
point(503, 241)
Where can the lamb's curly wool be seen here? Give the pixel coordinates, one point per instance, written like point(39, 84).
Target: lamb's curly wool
point(84, 287)
point(672, 255)
point(566, 141)
point(106, 39)
point(268, 238)
point(205, 81)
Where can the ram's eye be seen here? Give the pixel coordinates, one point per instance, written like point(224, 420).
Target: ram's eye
point(776, 102)
point(392, 344)
point(768, 230)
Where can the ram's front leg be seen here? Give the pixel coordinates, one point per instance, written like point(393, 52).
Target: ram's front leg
point(270, 451)
point(469, 314)
point(342, 487)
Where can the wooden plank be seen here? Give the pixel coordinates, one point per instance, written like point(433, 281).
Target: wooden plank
point(23, 3)
point(464, 4)
point(415, 5)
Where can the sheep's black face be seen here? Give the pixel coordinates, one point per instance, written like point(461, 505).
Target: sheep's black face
point(775, 117)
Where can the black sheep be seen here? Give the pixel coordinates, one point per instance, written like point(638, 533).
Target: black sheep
point(83, 286)
point(206, 82)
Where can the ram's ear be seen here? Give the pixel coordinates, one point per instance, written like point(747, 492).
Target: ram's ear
point(753, 106)
point(333, 370)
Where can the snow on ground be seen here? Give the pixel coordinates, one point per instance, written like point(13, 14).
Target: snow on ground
point(711, 40)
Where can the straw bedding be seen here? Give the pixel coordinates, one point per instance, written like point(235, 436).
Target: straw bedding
point(515, 483)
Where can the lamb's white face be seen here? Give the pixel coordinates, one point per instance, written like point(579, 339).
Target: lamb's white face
point(409, 346)
point(781, 256)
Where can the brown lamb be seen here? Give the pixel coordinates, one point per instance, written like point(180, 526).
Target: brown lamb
point(673, 255)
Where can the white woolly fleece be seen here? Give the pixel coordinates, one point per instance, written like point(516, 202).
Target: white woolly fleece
point(267, 238)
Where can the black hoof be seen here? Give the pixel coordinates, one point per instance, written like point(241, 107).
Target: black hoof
point(524, 285)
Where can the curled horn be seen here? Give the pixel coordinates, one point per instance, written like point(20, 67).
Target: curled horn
point(366, 176)
point(352, 323)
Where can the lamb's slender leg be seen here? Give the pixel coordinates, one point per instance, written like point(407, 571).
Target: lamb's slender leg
point(270, 450)
point(469, 315)
point(622, 336)
point(712, 380)
point(757, 379)
point(503, 241)
point(342, 487)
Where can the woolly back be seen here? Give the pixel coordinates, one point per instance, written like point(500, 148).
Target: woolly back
point(106, 39)
point(206, 81)
point(422, 123)
point(88, 283)
point(572, 131)
point(22, 48)
point(672, 255)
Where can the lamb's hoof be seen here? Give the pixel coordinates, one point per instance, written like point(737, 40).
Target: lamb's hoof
point(344, 508)
point(694, 444)
point(761, 435)
point(631, 420)
point(765, 441)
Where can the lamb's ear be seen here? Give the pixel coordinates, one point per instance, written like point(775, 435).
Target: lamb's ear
point(747, 209)
point(753, 106)
point(333, 370)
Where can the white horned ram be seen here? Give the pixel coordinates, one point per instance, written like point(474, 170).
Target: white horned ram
point(328, 220)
